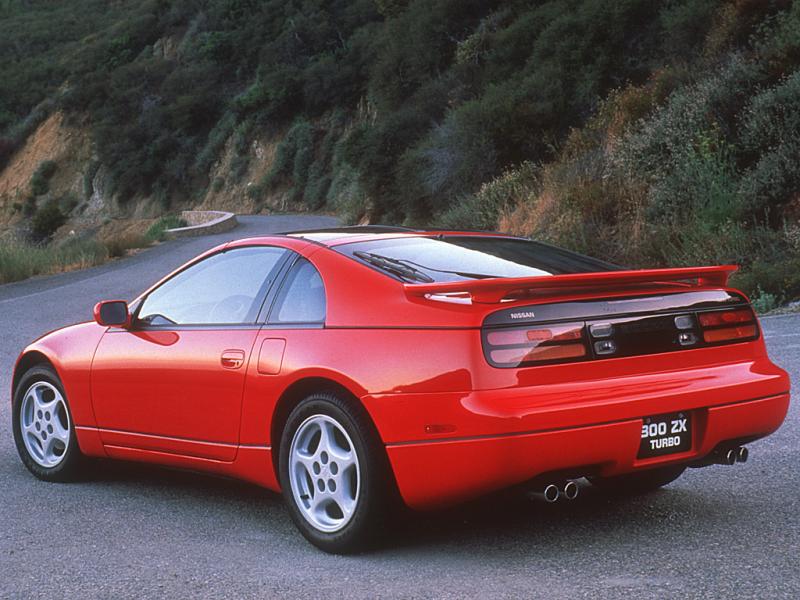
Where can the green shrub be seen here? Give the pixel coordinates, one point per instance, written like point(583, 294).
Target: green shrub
point(40, 180)
point(67, 202)
point(29, 206)
point(303, 135)
point(156, 232)
point(685, 24)
point(764, 302)
point(46, 221)
point(238, 167)
point(215, 142)
point(481, 209)
point(346, 195)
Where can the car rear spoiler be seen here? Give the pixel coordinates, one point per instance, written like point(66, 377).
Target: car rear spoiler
point(493, 290)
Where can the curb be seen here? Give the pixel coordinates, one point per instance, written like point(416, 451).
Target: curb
point(202, 222)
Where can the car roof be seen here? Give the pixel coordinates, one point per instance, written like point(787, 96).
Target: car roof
point(335, 236)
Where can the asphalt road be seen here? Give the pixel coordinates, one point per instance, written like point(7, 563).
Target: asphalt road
point(135, 531)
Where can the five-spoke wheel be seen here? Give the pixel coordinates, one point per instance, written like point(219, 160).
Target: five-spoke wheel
point(43, 428)
point(44, 422)
point(324, 473)
point(333, 474)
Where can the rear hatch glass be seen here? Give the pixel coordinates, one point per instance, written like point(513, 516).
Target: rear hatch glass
point(457, 258)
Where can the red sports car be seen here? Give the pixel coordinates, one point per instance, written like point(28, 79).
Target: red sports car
point(351, 367)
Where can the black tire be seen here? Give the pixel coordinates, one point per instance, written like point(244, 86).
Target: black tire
point(371, 500)
point(639, 483)
point(70, 466)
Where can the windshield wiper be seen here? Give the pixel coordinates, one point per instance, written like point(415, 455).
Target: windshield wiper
point(459, 273)
point(394, 265)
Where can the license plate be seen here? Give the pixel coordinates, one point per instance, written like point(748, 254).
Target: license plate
point(666, 434)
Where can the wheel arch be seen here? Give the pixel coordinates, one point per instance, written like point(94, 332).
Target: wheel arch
point(302, 388)
point(294, 394)
point(27, 361)
point(299, 390)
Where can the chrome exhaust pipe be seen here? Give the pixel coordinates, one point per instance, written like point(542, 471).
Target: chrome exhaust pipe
point(548, 493)
point(721, 456)
point(570, 490)
point(729, 457)
point(741, 454)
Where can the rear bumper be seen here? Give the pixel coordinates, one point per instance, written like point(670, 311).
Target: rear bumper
point(446, 471)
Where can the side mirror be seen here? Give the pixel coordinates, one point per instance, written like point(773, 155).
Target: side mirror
point(112, 313)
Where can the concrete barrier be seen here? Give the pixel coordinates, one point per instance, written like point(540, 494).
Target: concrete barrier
point(202, 222)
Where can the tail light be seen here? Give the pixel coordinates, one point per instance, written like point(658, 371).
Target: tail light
point(728, 325)
point(523, 346)
point(534, 344)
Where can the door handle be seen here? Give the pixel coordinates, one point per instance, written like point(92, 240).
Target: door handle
point(232, 359)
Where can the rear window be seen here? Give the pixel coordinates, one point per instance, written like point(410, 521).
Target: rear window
point(456, 258)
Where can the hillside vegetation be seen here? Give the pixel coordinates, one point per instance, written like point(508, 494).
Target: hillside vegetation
point(645, 132)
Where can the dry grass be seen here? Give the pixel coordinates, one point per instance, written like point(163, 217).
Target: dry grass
point(20, 260)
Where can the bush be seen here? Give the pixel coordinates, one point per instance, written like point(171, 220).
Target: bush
point(46, 221)
point(119, 246)
point(764, 302)
point(40, 180)
point(482, 209)
point(67, 203)
point(29, 206)
point(156, 232)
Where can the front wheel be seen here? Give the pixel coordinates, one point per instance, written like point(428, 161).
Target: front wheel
point(44, 432)
point(333, 475)
point(639, 483)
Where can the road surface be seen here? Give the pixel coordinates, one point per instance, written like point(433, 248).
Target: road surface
point(139, 532)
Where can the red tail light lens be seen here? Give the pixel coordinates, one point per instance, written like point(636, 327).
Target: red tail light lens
point(524, 345)
point(728, 325)
point(727, 317)
point(557, 333)
point(729, 333)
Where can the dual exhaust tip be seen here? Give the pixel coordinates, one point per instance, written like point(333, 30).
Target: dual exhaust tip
point(728, 456)
point(568, 489)
point(551, 492)
point(734, 455)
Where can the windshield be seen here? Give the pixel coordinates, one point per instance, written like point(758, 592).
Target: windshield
point(456, 258)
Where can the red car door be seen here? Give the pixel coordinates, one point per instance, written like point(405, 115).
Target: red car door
point(294, 327)
point(174, 381)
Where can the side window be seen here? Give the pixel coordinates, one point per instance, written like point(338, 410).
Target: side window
point(302, 297)
point(225, 288)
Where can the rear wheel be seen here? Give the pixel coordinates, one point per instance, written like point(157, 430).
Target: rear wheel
point(332, 474)
point(639, 483)
point(44, 432)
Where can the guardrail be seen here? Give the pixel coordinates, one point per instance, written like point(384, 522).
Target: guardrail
point(202, 222)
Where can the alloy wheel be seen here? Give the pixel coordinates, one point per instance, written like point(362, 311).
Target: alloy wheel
point(44, 424)
point(324, 473)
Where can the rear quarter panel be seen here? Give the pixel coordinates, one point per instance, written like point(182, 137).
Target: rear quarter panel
point(364, 361)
